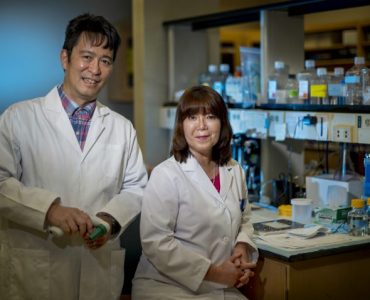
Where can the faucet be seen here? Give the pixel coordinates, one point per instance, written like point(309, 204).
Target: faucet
point(263, 197)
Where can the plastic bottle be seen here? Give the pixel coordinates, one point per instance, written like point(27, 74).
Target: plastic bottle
point(357, 218)
point(208, 77)
point(304, 79)
point(366, 86)
point(277, 82)
point(319, 87)
point(217, 79)
point(336, 87)
point(366, 191)
point(292, 89)
point(353, 81)
point(368, 215)
point(233, 87)
point(223, 75)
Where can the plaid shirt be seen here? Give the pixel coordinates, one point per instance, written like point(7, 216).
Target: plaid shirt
point(80, 117)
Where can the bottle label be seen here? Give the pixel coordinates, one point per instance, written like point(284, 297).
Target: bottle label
point(351, 79)
point(292, 93)
point(336, 89)
point(303, 89)
point(272, 89)
point(281, 96)
point(319, 90)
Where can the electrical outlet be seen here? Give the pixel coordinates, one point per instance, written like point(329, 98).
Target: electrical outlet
point(342, 133)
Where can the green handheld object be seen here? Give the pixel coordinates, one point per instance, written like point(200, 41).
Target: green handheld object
point(98, 231)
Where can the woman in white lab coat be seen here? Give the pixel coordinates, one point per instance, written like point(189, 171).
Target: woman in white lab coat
point(195, 237)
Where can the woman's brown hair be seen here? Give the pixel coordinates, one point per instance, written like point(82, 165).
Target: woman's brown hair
point(205, 100)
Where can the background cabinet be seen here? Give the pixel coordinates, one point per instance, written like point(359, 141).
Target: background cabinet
point(336, 45)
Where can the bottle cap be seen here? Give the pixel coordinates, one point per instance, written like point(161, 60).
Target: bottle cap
point(212, 68)
point(338, 71)
point(285, 210)
point(98, 231)
point(225, 68)
point(321, 71)
point(359, 60)
point(357, 203)
point(309, 63)
point(279, 65)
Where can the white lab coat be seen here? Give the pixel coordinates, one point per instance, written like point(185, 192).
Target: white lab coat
point(41, 160)
point(186, 225)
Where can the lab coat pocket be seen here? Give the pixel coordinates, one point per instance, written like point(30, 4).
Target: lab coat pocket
point(29, 274)
point(116, 272)
point(112, 161)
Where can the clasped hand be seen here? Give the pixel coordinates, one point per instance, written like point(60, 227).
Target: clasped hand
point(74, 221)
point(235, 271)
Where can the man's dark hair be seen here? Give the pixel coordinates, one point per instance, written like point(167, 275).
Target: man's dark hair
point(97, 29)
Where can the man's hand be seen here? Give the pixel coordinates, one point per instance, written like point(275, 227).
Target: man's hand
point(99, 242)
point(70, 219)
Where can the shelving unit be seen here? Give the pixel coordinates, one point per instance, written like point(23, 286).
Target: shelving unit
point(336, 45)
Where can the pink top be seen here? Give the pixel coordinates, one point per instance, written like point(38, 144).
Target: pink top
point(216, 182)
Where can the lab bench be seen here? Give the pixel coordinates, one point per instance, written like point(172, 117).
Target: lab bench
point(337, 271)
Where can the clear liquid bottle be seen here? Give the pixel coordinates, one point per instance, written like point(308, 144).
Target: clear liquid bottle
point(304, 80)
point(336, 87)
point(217, 79)
point(365, 76)
point(353, 81)
point(319, 87)
point(233, 87)
point(223, 74)
point(207, 78)
point(277, 82)
point(358, 222)
point(292, 89)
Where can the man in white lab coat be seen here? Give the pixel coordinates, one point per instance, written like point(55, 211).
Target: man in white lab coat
point(64, 158)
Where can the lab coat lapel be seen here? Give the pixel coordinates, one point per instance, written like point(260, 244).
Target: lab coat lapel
point(58, 119)
point(199, 177)
point(226, 180)
point(96, 129)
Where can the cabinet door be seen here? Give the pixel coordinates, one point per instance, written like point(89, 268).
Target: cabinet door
point(269, 281)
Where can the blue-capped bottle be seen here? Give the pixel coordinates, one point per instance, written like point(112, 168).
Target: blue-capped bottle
point(366, 191)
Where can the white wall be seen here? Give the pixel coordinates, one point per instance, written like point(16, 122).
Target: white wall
point(31, 36)
point(151, 67)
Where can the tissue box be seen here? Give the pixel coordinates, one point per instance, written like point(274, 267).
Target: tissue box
point(329, 215)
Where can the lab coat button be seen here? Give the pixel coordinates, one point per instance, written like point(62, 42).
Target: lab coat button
point(226, 239)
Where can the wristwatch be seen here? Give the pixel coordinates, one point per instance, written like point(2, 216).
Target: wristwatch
point(115, 227)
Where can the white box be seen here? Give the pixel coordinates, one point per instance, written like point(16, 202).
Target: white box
point(328, 192)
point(349, 37)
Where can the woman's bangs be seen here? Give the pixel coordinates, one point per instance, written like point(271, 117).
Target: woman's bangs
point(194, 106)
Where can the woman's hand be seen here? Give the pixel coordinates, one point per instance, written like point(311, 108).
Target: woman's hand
point(242, 262)
point(227, 273)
